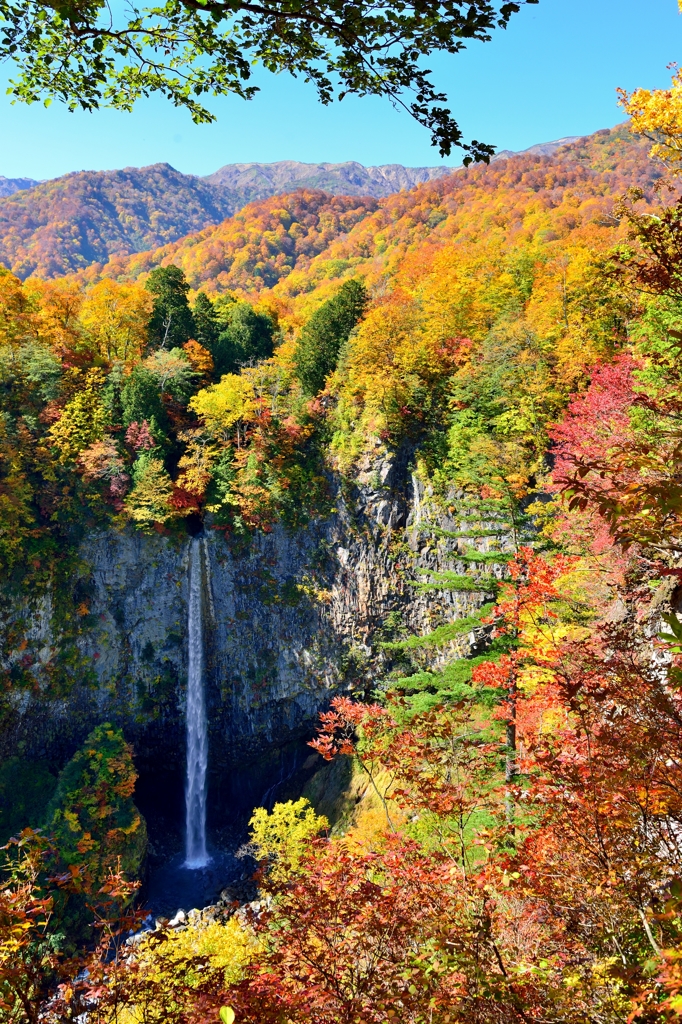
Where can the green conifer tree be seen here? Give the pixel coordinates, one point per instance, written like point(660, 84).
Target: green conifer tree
point(171, 323)
point(322, 338)
point(244, 337)
point(206, 328)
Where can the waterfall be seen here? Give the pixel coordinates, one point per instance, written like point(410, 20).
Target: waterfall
point(197, 728)
point(416, 504)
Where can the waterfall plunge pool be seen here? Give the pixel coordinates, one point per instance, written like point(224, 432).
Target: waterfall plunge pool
point(279, 774)
point(182, 882)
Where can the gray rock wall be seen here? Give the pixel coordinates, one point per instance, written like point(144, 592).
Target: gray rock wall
point(289, 619)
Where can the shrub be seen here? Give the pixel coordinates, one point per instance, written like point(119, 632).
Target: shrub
point(282, 837)
point(92, 817)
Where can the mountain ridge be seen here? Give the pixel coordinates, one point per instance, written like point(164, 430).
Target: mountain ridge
point(288, 243)
point(67, 224)
point(8, 186)
point(261, 180)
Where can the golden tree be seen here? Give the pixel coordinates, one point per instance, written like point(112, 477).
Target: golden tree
point(83, 420)
point(115, 317)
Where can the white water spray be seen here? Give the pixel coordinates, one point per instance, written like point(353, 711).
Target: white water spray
point(197, 728)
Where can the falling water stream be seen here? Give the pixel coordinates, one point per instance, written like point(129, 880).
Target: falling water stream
point(193, 879)
point(197, 729)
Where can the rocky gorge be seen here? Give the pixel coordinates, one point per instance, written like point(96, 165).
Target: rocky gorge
point(290, 619)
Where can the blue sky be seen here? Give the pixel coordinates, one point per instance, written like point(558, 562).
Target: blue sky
point(552, 73)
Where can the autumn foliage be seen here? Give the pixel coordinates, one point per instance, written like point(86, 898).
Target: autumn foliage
point(514, 852)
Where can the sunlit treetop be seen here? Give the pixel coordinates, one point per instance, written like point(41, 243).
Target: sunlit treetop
point(657, 115)
point(89, 53)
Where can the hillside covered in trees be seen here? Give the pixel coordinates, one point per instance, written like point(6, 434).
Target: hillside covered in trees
point(510, 252)
point(513, 333)
point(66, 224)
point(530, 196)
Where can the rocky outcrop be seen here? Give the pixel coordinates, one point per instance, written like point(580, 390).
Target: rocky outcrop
point(289, 620)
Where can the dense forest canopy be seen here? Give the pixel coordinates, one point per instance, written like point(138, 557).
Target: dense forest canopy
point(486, 302)
point(271, 241)
point(62, 226)
point(254, 249)
point(515, 332)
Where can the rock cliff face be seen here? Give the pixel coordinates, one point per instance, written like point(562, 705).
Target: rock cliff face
point(288, 620)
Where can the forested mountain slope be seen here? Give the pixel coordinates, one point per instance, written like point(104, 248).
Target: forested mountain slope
point(257, 247)
point(537, 197)
point(532, 199)
point(64, 225)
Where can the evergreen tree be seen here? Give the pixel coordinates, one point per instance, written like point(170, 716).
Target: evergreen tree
point(245, 336)
point(93, 801)
point(328, 329)
point(111, 394)
point(171, 323)
point(141, 400)
point(206, 328)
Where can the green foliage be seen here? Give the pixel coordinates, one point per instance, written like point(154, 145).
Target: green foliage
point(36, 365)
point(441, 635)
point(26, 788)
point(94, 824)
point(425, 690)
point(485, 557)
point(242, 337)
point(322, 338)
point(140, 399)
point(219, 493)
point(92, 815)
point(206, 327)
point(454, 581)
point(85, 62)
point(173, 373)
point(171, 323)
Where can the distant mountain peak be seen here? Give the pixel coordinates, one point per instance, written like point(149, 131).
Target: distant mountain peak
point(540, 148)
point(255, 180)
point(8, 186)
point(260, 180)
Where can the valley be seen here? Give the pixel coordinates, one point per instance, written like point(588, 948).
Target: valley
point(340, 591)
